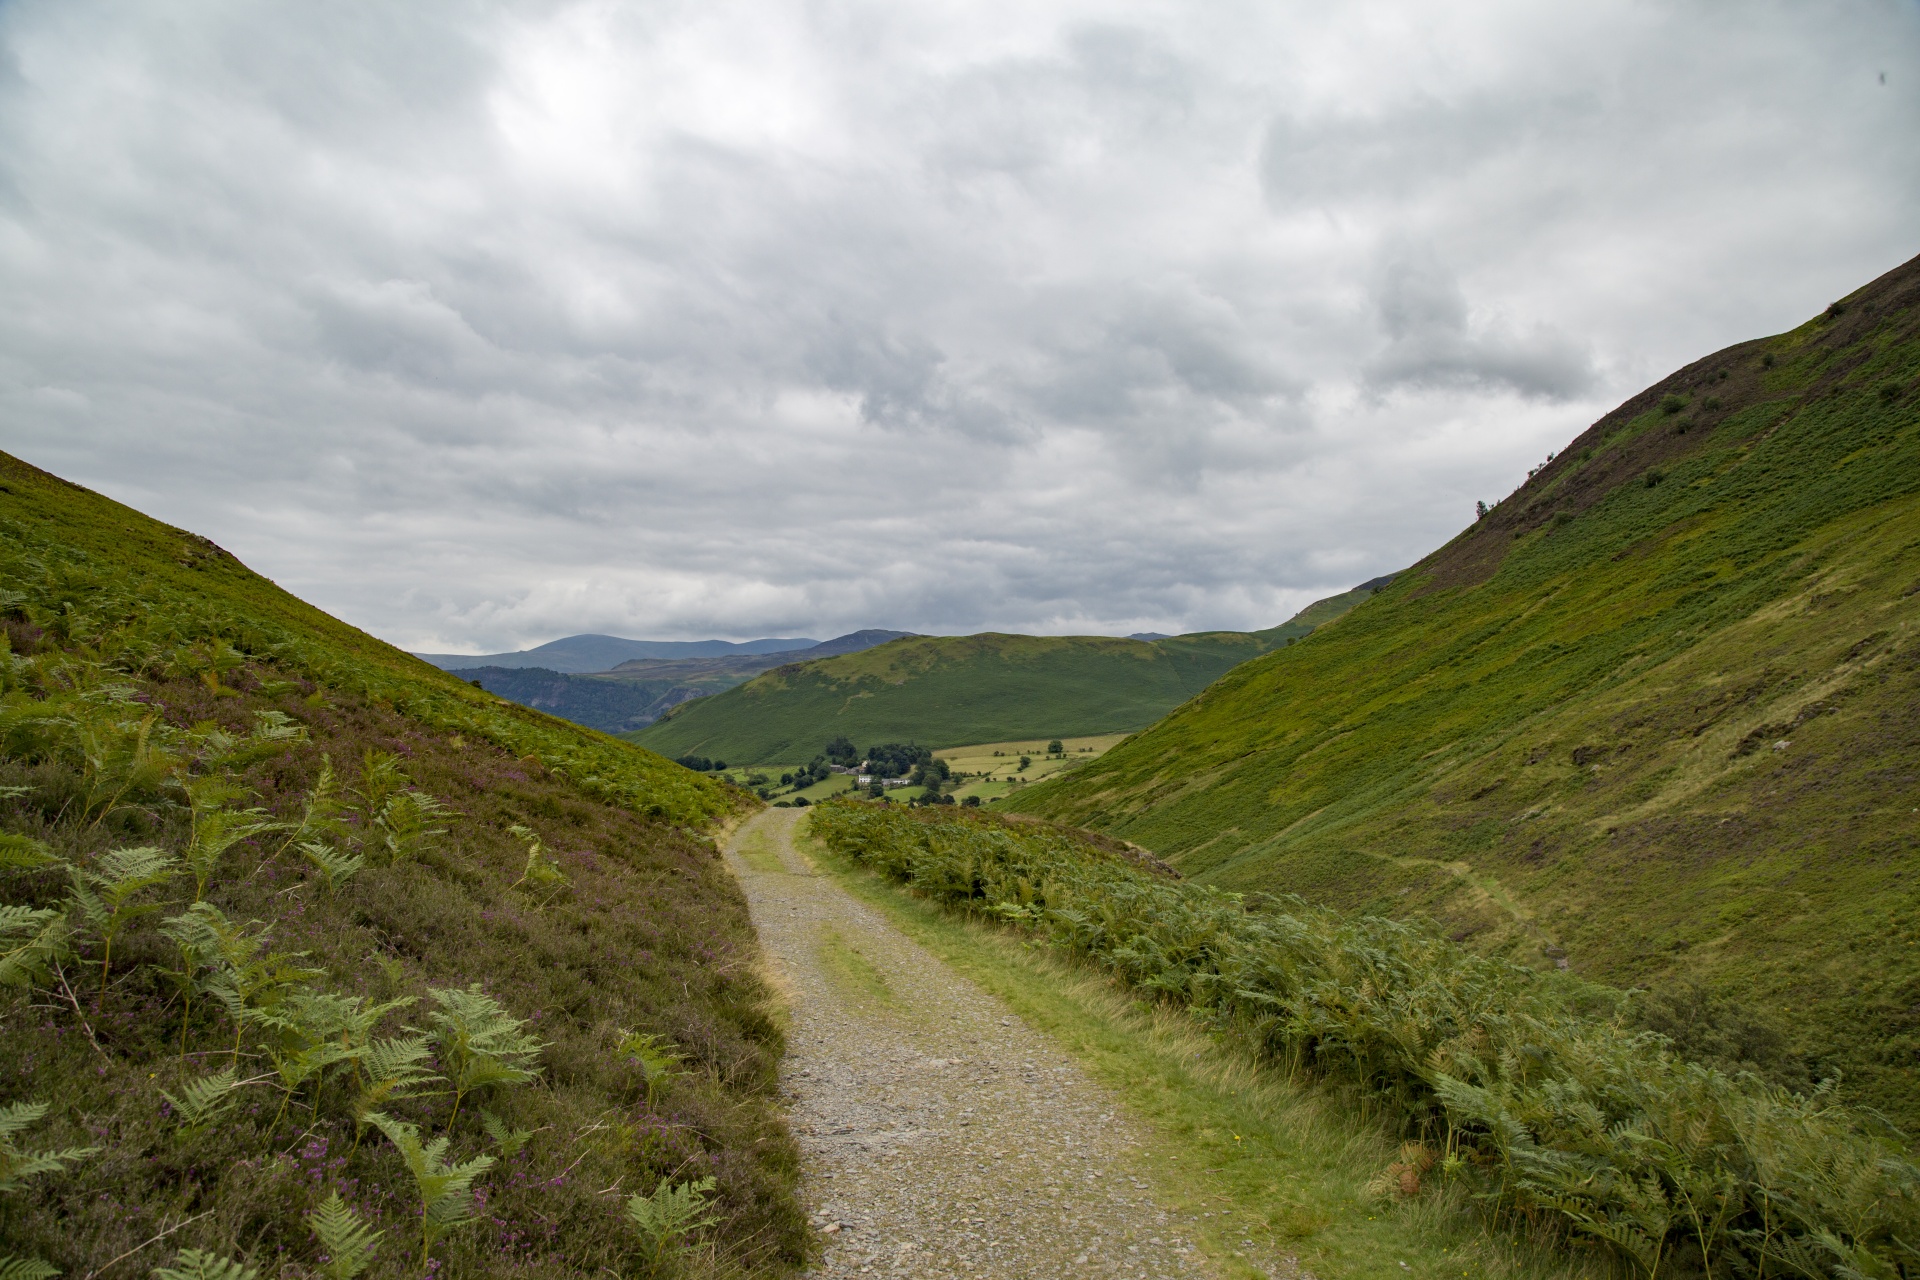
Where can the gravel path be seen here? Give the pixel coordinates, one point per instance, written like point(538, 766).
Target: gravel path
point(942, 1136)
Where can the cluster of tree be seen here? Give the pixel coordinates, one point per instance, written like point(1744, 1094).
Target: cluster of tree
point(816, 770)
point(895, 759)
point(930, 773)
point(841, 752)
point(700, 764)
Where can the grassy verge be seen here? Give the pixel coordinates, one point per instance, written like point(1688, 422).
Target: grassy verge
point(1264, 1159)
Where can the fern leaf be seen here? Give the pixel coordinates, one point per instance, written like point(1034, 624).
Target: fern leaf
point(406, 823)
point(392, 1069)
point(481, 1043)
point(24, 853)
point(335, 867)
point(13, 1268)
point(348, 1242)
point(203, 1101)
point(17, 1164)
point(670, 1212)
point(505, 1136)
point(31, 939)
point(193, 1264)
point(446, 1190)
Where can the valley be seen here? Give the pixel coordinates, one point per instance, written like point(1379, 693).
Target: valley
point(1547, 908)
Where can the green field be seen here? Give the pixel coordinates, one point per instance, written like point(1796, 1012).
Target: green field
point(948, 690)
point(1656, 716)
point(286, 913)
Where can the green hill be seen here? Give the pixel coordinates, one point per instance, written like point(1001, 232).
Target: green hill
point(1655, 716)
point(285, 912)
point(945, 691)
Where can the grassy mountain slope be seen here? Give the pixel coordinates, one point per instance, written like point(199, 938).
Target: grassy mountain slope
point(639, 691)
point(238, 836)
point(953, 690)
point(1657, 714)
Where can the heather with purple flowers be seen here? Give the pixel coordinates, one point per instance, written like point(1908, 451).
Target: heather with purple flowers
point(341, 936)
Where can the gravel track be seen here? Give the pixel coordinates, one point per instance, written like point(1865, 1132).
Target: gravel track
point(942, 1136)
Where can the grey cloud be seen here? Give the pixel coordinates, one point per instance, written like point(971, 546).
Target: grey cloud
point(1432, 344)
point(484, 322)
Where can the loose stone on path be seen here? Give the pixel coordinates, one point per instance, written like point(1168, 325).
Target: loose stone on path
point(942, 1136)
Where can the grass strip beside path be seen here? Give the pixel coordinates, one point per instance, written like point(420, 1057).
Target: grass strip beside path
point(1284, 1164)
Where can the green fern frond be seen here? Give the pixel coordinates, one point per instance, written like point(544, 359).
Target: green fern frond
point(348, 1242)
point(24, 853)
point(31, 940)
point(446, 1190)
point(335, 867)
point(406, 824)
point(391, 1069)
point(107, 893)
point(505, 1136)
point(17, 1164)
point(481, 1044)
point(203, 1101)
point(12, 1268)
point(278, 727)
point(671, 1211)
point(656, 1060)
point(214, 832)
point(541, 870)
point(192, 1264)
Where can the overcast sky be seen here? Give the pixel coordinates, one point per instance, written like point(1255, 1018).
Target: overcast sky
point(479, 324)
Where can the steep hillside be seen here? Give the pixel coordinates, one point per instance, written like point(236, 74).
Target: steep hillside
point(299, 933)
point(1656, 716)
point(951, 690)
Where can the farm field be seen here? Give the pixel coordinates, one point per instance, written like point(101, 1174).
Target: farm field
point(991, 769)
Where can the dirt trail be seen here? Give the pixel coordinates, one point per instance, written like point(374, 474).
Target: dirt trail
point(942, 1136)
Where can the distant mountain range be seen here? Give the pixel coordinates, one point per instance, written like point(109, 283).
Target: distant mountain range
point(945, 691)
point(579, 654)
point(638, 691)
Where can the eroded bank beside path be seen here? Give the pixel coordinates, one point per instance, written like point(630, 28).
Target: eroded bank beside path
point(943, 1137)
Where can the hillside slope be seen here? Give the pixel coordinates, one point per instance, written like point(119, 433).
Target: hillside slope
point(278, 901)
point(1657, 715)
point(952, 690)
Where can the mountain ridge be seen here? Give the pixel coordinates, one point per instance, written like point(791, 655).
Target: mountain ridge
point(590, 652)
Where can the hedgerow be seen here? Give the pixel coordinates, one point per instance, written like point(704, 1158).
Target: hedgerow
point(1532, 1087)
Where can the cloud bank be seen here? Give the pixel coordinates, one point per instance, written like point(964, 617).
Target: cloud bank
point(481, 323)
